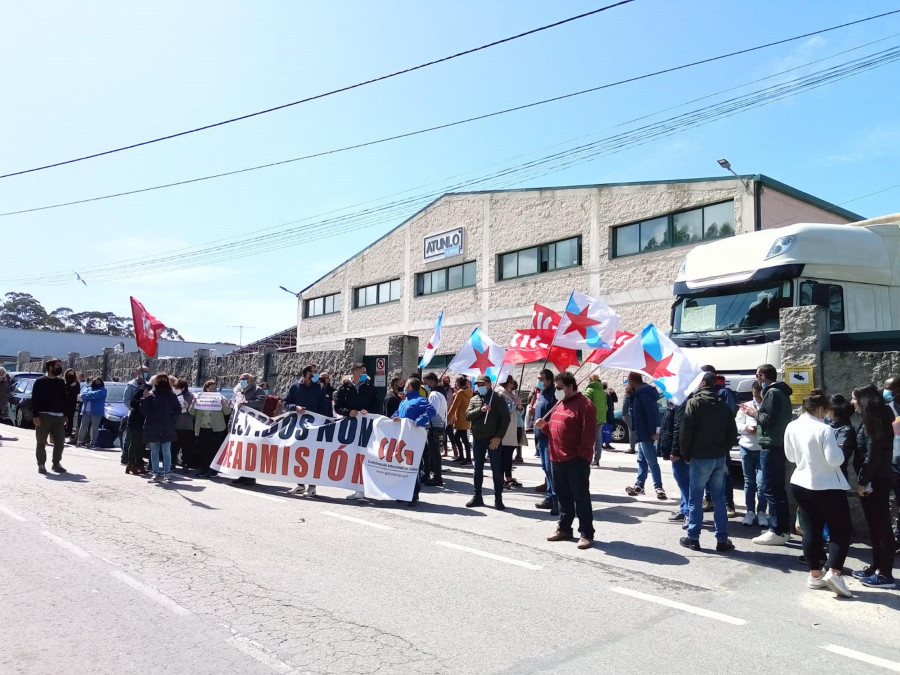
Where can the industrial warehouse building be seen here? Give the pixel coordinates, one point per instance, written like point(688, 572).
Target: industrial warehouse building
point(484, 258)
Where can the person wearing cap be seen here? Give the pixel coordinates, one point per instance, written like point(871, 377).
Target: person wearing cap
point(570, 430)
point(489, 419)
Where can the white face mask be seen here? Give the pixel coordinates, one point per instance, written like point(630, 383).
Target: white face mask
point(560, 394)
point(178, 392)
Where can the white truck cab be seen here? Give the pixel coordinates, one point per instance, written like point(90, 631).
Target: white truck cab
point(728, 293)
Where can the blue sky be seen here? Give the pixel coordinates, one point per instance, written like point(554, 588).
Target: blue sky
point(77, 78)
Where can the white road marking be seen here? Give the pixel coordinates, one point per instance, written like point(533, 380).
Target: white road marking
point(699, 611)
point(260, 495)
point(12, 514)
point(260, 653)
point(492, 556)
point(357, 520)
point(72, 548)
point(865, 658)
point(151, 593)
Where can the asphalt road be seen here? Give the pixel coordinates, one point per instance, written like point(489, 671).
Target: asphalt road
point(103, 572)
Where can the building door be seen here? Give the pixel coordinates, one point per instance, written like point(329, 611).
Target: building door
point(376, 368)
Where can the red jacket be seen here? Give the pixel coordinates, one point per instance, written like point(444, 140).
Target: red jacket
point(572, 426)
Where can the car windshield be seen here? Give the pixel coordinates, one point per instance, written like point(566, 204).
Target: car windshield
point(115, 392)
point(755, 309)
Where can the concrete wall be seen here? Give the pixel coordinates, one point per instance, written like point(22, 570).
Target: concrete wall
point(780, 210)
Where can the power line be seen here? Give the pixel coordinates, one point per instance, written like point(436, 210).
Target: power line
point(325, 94)
point(452, 124)
point(262, 242)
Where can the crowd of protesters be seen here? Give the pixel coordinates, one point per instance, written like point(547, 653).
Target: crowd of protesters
point(795, 464)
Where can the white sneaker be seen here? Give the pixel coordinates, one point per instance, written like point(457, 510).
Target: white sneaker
point(836, 583)
point(311, 491)
point(769, 538)
point(749, 519)
point(815, 583)
point(359, 494)
point(297, 489)
point(762, 519)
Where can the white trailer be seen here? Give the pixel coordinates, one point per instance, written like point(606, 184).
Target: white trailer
point(728, 293)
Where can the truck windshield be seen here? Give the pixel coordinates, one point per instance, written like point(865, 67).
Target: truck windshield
point(732, 308)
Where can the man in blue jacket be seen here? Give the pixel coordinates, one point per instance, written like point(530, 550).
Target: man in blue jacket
point(546, 399)
point(645, 418)
point(307, 396)
point(415, 407)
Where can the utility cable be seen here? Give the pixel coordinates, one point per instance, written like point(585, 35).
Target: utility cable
point(325, 94)
point(261, 242)
point(448, 125)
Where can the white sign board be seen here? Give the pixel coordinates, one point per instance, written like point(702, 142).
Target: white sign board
point(208, 400)
point(444, 245)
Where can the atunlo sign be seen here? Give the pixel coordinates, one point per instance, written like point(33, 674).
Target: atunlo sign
point(444, 245)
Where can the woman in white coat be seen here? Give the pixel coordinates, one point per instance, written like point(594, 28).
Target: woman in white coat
point(820, 489)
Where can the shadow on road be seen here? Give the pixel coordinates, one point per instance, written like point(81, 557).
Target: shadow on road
point(628, 551)
point(71, 477)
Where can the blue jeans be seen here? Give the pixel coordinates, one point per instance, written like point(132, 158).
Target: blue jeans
point(543, 446)
point(598, 442)
point(754, 497)
point(709, 472)
point(681, 471)
point(155, 448)
point(646, 457)
point(772, 461)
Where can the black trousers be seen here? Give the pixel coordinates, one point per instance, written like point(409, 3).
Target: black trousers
point(462, 439)
point(572, 482)
point(481, 449)
point(208, 443)
point(506, 454)
point(433, 451)
point(820, 508)
point(136, 446)
point(877, 510)
point(187, 443)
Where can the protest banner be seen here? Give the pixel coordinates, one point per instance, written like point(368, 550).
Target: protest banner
point(369, 452)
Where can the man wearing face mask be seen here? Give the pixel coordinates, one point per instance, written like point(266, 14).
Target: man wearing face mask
point(141, 379)
point(394, 396)
point(418, 409)
point(437, 428)
point(489, 419)
point(570, 431)
point(248, 394)
point(307, 396)
point(356, 396)
point(544, 404)
point(48, 403)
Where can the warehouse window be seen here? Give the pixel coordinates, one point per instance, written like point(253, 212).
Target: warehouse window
point(376, 294)
point(676, 229)
point(446, 279)
point(556, 255)
point(328, 304)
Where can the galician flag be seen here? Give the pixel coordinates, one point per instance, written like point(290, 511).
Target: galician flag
point(479, 356)
point(586, 323)
point(655, 355)
point(433, 344)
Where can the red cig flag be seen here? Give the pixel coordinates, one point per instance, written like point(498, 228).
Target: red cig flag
point(147, 328)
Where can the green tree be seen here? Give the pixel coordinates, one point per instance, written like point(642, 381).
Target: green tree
point(22, 310)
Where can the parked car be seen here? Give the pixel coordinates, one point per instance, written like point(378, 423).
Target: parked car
point(20, 410)
point(113, 412)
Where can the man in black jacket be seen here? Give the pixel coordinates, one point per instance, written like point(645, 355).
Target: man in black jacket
point(707, 433)
point(489, 417)
point(669, 448)
point(48, 404)
point(392, 399)
point(307, 396)
point(773, 416)
point(356, 396)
